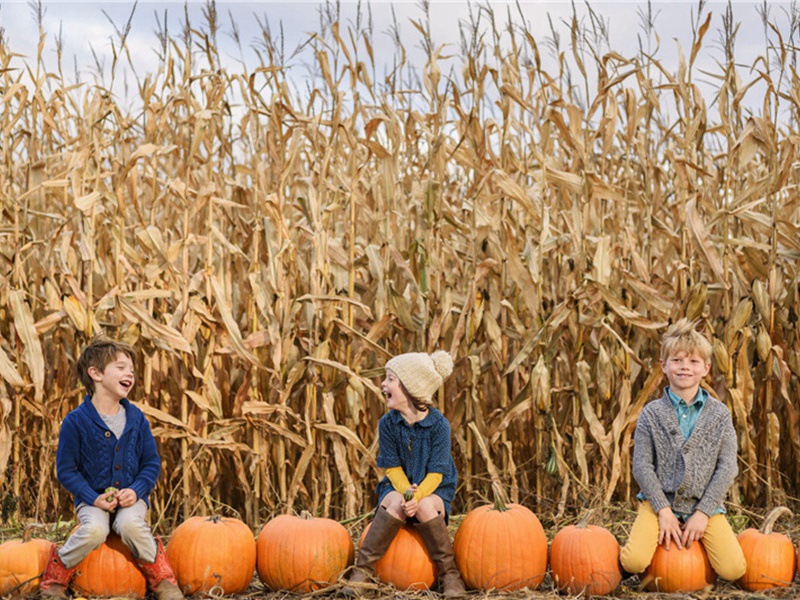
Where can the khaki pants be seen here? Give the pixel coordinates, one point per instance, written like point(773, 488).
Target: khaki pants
point(723, 549)
point(95, 525)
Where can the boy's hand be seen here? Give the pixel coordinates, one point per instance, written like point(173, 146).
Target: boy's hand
point(669, 528)
point(102, 501)
point(694, 528)
point(127, 497)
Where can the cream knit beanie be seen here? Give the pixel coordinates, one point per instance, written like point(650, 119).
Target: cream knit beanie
point(422, 374)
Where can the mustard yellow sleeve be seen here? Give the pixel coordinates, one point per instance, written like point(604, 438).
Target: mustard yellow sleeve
point(428, 485)
point(398, 479)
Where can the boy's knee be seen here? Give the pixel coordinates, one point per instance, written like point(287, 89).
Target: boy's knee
point(632, 562)
point(733, 569)
point(94, 534)
point(133, 529)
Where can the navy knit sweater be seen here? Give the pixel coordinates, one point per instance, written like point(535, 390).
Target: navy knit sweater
point(90, 458)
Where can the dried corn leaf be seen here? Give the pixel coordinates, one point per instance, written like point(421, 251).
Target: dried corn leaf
point(8, 371)
point(161, 334)
point(703, 242)
point(32, 348)
point(223, 306)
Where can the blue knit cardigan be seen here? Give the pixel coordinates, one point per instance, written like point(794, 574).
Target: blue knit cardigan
point(90, 458)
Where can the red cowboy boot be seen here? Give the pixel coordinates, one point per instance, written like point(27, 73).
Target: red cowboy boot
point(56, 577)
point(159, 575)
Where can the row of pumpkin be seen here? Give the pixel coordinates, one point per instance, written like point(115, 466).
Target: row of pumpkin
point(496, 546)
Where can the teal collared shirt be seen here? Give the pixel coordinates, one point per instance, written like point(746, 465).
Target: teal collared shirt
point(688, 413)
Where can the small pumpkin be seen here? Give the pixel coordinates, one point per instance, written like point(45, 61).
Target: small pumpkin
point(302, 554)
point(207, 552)
point(501, 546)
point(110, 570)
point(22, 562)
point(770, 555)
point(407, 564)
point(585, 558)
point(679, 570)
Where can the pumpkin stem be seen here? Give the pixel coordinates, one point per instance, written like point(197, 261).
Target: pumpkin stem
point(585, 520)
point(306, 516)
point(774, 515)
point(500, 498)
point(28, 531)
point(215, 518)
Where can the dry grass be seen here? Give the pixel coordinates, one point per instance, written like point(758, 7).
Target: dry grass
point(268, 251)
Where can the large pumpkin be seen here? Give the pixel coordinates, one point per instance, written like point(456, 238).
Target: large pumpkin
point(302, 554)
point(212, 552)
point(110, 570)
point(22, 562)
point(501, 547)
point(406, 564)
point(770, 556)
point(585, 558)
point(679, 570)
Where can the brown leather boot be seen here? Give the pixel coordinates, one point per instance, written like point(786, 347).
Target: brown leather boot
point(159, 575)
point(56, 577)
point(437, 540)
point(383, 530)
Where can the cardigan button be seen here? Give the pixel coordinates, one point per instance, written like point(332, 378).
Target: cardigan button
point(116, 467)
point(107, 434)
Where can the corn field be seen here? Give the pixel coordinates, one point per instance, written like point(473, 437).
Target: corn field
point(267, 249)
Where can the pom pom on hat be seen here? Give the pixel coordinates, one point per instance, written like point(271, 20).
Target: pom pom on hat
point(422, 374)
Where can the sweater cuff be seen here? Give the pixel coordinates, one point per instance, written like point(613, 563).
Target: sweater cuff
point(88, 497)
point(398, 479)
point(658, 503)
point(428, 485)
point(141, 491)
point(708, 506)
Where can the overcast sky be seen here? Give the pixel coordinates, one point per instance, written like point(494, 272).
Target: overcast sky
point(88, 25)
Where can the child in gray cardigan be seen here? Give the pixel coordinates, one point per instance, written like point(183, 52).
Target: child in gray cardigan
point(684, 460)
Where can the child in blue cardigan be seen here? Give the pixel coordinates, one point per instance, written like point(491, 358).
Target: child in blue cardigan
point(108, 460)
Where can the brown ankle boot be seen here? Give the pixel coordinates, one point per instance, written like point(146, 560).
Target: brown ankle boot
point(56, 577)
point(159, 575)
point(381, 532)
point(437, 540)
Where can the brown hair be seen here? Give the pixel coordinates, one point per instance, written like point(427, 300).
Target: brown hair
point(99, 353)
point(683, 337)
point(416, 402)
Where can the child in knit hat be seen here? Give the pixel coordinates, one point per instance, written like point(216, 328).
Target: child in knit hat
point(420, 480)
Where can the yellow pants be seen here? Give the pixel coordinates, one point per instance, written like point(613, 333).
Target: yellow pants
point(723, 549)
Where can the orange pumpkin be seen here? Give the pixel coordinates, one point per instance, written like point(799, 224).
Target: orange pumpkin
point(501, 547)
point(679, 570)
point(406, 564)
point(207, 552)
point(110, 570)
point(22, 562)
point(770, 556)
point(302, 554)
point(585, 558)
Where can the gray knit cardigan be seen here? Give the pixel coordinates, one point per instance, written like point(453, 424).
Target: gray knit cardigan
point(686, 474)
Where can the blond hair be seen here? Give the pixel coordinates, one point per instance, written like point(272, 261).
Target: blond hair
point(682, 336)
